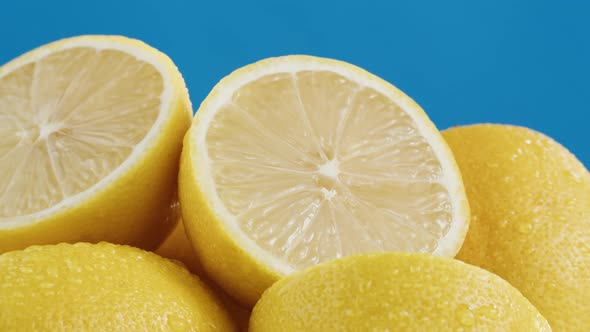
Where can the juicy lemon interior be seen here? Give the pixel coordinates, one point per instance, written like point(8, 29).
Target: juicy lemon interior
point(315, 166)
point(67, 121)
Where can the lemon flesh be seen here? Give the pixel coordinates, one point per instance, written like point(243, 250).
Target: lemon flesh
point(299, 160)
point(78, 118)
point(71, 118)
point(394, 292)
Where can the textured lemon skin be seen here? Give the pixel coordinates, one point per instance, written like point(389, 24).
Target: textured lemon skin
point(177, 247)
point(241, 274)
point(103, 287)
point(530, 201)
point(394, 292)
point(132, 209)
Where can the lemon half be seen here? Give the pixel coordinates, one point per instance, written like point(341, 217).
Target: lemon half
point(91, 131)
point(298, 160)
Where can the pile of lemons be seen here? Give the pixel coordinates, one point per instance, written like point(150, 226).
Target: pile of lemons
point(306, 194)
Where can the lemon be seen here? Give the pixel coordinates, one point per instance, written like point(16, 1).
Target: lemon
point(394, 292)
point(91, 131)
point(530, 201)
point(103, 287)
point(298, 160)
point(177, 247)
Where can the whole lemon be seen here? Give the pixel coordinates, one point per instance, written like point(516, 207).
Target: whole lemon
point(530, 202)
point(394, 292)
point(103, 287)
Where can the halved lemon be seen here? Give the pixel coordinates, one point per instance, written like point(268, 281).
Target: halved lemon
point(297, 160)
point(91, 132)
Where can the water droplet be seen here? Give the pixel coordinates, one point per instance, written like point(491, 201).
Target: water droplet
point(433, 290)
point(69, 263)
point(487, 310)
point(18, 295)
point(465, 316)
point(363, 287)
point(98, 254)
point(25, 269)
point(337, 303)
point(444, 279)
point(492, 165)
point(176, 323)
point(442, 305)
point(52, 272)
point(348, 312)
point(525, 227)
point(46, 285)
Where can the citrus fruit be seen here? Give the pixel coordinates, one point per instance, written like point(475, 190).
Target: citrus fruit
point(177, 247)
point(394, 292)
point(298, 160)
point(530, 201)
point(103, 287)
point(91, 131)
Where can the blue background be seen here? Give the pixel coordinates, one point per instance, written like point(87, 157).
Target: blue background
point(505, 61)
